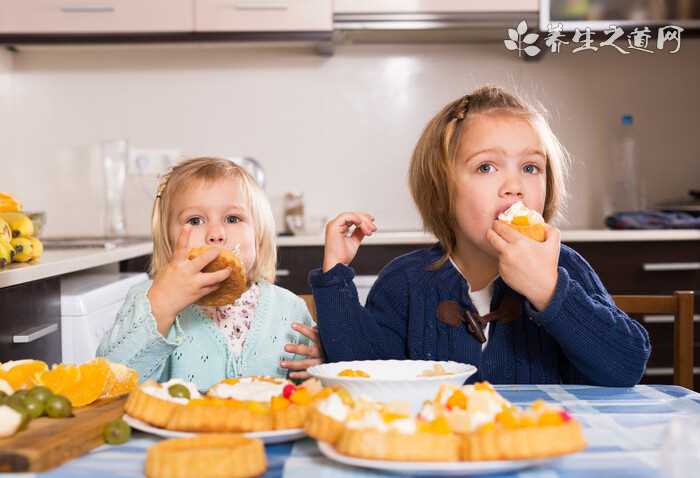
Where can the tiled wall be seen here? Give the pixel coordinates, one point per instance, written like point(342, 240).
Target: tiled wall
point(339, 129)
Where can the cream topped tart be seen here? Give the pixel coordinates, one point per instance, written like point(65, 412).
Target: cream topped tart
point(155, 403)
point(524, 220)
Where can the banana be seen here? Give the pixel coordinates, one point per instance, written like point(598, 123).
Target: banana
point(37, 248)
point(9, 203)
point(20, 224)
point(5, 231)
point(7, 254)
point(23, 249)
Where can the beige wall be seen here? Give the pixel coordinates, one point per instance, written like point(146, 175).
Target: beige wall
point(339, 129)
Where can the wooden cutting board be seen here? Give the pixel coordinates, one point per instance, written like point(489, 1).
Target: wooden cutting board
point(48, 442)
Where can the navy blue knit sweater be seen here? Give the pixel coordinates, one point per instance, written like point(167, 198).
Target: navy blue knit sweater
point(581, 337)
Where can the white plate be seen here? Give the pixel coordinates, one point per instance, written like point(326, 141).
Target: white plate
point(391, 380)
point(276, 436)
point(427, 468)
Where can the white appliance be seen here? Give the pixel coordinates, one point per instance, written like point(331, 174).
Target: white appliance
point(89, 305)
point(363, 285)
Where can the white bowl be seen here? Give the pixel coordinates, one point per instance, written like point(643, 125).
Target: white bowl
point(391, 380)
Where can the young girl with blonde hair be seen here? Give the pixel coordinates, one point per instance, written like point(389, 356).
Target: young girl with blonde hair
point(163, 334)
point(522, 311)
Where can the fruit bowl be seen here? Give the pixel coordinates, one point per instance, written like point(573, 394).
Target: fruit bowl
point(391, 380)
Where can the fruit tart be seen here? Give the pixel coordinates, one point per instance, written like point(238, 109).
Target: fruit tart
point(155, 403)
point(391, 432)
point(525, 221)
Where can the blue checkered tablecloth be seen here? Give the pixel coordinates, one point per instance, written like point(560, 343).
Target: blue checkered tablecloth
point(625, 429)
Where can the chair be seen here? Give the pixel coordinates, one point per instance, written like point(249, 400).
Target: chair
point(680, 305)
point(310, 304)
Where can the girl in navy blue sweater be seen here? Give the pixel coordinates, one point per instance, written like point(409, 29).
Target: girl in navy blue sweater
point(522, 311)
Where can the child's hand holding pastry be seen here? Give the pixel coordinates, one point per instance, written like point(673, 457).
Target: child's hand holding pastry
point(528, 266)
point(341, 247)
point(182, 282)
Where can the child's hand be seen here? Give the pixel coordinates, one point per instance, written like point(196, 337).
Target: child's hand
point(341, 248)
point(182, 282)
point(313, 351)
point(528, 266)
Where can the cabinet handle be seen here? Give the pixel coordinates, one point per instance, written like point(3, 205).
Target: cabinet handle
point(664, 319)
point(87, 9)
point(655, 371)
point(259, 5)
point(35, 333)
point(671, 266)
point(282, 272)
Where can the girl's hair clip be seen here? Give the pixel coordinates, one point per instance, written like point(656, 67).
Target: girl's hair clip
point(163, 182)
point(462, 108)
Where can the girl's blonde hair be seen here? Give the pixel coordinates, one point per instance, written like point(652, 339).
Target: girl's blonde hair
point(431, 175)
point(209, 170)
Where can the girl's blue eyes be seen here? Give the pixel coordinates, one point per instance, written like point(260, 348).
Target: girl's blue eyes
point(531, 168)
point(485, 168)
point(198, 221)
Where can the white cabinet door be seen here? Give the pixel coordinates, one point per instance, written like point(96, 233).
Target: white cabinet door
point(95, 16)
point(433, 6)
point(263, 15)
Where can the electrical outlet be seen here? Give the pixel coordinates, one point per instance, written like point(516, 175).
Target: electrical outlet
point(151, 162)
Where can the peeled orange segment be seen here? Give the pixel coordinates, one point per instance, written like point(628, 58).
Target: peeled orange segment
point(521, 221)
point(22, 373)
point(60, 377)
point(93, 380)
point(121, 380)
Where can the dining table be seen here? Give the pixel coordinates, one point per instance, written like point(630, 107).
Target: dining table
point(641, 431)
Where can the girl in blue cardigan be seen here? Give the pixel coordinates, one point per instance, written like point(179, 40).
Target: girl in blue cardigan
point(522, 311)
point(162, 334)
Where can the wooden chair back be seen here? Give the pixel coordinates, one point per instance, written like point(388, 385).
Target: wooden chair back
point(681, 305)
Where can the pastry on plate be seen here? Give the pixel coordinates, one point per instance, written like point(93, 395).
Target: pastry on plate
point(540, 431)
point(326, 420)
point(155, 403)
point(380, 433)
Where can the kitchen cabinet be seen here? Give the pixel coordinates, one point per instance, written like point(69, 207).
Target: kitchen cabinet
point(433, 6)
point(263, 15)
point(30, 321)
point(30, 297)
point(101, 16)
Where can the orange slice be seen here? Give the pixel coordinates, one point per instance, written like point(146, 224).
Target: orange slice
point(60, 377)
point(120, 380)
point(22, 373)
point(94, 376)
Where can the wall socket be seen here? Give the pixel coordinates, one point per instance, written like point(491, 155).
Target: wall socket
point(151, 162)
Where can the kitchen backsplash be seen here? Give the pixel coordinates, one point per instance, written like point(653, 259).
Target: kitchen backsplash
point(340, 129)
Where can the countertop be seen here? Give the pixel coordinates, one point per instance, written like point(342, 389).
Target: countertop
point(568, 235)
point(63, 261)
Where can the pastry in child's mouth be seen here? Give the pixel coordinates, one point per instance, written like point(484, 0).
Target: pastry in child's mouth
point(230, 289)
point(525, 221)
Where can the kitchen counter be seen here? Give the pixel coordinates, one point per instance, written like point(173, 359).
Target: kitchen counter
point(55, 262)
point(568, 235)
